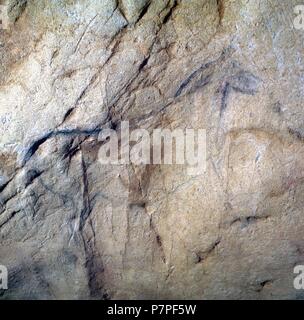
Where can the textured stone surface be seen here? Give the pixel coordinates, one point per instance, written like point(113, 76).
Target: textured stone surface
point(72, 228)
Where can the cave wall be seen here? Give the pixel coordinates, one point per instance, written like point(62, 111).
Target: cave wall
point(72, 228)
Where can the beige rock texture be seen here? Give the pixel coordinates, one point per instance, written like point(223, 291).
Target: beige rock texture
point(72, 228)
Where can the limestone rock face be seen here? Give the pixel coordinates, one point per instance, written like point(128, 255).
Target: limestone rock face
point(72, 228)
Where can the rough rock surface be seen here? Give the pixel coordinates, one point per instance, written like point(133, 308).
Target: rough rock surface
point(71, 228)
